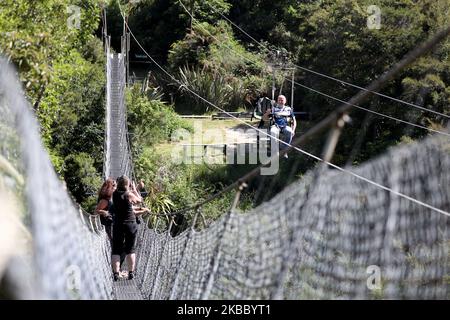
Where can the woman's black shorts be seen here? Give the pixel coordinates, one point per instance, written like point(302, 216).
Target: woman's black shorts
point(124, 238)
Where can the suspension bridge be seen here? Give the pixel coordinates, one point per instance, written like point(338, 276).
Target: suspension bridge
point(319, 239)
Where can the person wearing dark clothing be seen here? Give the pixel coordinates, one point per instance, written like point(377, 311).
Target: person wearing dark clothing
point(125, 227)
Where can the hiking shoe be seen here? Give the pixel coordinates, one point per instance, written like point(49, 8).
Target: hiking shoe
point(130, 275)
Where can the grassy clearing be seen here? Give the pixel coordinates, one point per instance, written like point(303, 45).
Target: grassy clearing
point(206, 131)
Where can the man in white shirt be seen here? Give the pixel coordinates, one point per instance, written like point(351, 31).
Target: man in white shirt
point(280, 113)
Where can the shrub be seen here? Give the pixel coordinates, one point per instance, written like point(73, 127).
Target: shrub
point(82, 178)
point(151, 121)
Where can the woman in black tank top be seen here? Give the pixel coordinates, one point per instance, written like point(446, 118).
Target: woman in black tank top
point(125, 227)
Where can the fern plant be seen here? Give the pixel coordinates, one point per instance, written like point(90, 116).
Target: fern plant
point(214, 87)
point(160, 206)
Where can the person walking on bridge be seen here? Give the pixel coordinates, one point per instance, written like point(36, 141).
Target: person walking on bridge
point(125, 227)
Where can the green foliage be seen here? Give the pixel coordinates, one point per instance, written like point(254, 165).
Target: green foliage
point(150, 121)
point(159, 203)
point(176, 186)
point(207, 10)
point(173, 187)
point(82, 178)
point(213, 47)
point(71, 111)
point(35, 34)
point(72, 123)
point(213, 87)
point(167, 18)
point(359, 55)
point(62, 68)
point(275, 21)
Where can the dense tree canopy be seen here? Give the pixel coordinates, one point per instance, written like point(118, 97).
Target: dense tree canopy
point(61, 65)
point(36, 34)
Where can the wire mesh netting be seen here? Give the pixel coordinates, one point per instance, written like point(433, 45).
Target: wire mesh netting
point(328, 236)
point(70, 254)
point(118, 159)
